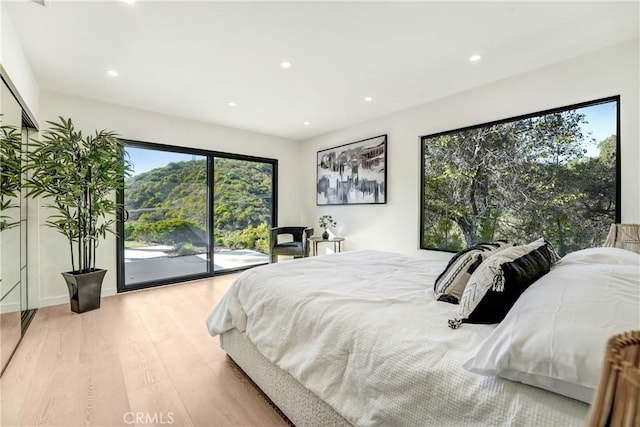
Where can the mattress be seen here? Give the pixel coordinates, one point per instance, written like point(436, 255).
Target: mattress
point(297, 403)
point(362, 332)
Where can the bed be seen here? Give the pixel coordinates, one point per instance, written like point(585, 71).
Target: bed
point(358, 338)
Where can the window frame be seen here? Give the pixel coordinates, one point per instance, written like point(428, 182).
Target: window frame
point(210, 156)
point(425, 138)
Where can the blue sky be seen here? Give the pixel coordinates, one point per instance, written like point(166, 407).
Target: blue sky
point(602, 124)
point(145, 160)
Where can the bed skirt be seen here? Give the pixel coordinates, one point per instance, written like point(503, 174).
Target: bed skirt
point(302, 407)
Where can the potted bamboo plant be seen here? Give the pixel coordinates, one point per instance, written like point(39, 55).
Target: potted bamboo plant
point(10, 174)
point(78, 175)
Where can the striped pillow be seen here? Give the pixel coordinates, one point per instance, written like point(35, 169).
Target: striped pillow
point(450, 284)
point(500, 280)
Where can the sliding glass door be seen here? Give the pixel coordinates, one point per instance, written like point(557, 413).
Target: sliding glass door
point(190, 214)
point(242, 212)
point(165, 232)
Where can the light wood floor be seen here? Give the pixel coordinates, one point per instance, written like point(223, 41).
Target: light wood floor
point(143, 356)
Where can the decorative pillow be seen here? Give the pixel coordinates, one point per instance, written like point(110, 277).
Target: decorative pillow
point(497, 283)
point(556, 334)
point(450, 283)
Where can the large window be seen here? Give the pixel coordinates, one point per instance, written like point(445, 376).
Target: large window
point(552, 174)
point(193, 213)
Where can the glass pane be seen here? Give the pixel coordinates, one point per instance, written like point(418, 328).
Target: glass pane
point(550, 174)
point(242, 212)
point(166, 231)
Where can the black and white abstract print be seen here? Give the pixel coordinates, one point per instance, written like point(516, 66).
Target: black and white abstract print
point(353, 173)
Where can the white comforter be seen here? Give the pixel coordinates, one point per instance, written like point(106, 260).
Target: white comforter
point(363, 332)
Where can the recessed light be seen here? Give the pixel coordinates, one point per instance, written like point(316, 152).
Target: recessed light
point(112, 73)
point(368, 99)
point(475, 58)
point(129, 1)
point(285, 64)
point(232, 104)
point(306, 123)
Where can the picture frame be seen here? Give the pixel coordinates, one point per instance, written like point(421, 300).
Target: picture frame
point(552, 174)
point(353, 173)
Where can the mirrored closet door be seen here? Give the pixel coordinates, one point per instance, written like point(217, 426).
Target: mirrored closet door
point(14, 310)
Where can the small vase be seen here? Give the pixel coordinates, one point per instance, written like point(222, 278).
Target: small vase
point(325, 235)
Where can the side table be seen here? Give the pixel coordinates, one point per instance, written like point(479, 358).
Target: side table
point(337, 243)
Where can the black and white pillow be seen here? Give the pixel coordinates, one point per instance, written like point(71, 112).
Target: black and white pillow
point(497, 283)
point(451, 282)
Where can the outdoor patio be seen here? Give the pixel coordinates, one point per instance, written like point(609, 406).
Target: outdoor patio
point(154, 263)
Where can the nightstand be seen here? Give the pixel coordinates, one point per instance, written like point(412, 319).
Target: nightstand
point(337, 243)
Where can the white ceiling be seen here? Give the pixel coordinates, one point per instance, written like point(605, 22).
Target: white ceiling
point(189, 59)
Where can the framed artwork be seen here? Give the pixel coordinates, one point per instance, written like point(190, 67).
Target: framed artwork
point(552, 174)
point(354, 173)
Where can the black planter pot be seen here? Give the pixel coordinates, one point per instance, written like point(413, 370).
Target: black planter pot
point(325, 235)
point(84, 289)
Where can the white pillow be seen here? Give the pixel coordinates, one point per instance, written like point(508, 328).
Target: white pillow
point(604, 255)
point(555, 335)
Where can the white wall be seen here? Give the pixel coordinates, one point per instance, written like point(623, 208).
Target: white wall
point(16, 65)
point(150, 127)
point(395, 226)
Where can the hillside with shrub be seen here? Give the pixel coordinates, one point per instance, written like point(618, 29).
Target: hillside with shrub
point(167, 205)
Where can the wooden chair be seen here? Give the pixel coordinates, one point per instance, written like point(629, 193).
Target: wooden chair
point(298, 247)
point(616, 400)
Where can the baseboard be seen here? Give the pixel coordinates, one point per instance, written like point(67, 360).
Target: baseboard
point(10, 307)
point(64, 299)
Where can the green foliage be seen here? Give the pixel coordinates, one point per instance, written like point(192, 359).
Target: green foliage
point(78, 174)
point(443, 235)
point(10, 175)
point(242, 194)
point(255, 238)
point(184, 249)
point(169, 232)
point(608, 149)
point(177, 192)
point(129, 229)
point(518, 180)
